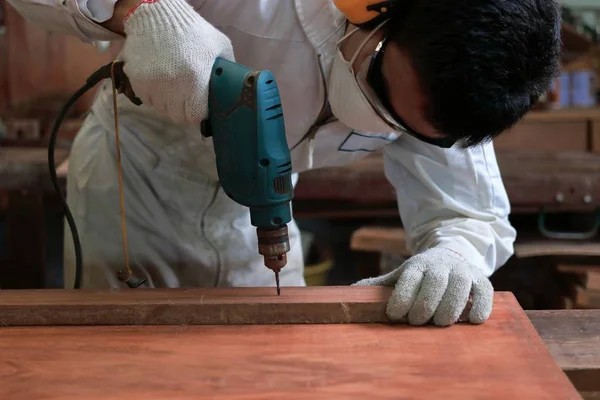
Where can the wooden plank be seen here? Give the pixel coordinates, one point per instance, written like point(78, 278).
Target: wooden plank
point(546, 136)
point(577, 269)
point(4, 95)
point(26, 129)
point(588, 298)
point(563, 248)
point(573, 40)
point(563, 115)
point(590, 395)
point(573, 339)
point(589, 274)
point(380, 240)
point(593, 280)
point(501, 359)
point(392, 240)
point(27, 168)
point(236, 306)
point(532, 180)
point(556, 181)
point(360, 182)
point(596, 136)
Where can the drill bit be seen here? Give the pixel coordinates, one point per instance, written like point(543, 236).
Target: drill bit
point(277, 281)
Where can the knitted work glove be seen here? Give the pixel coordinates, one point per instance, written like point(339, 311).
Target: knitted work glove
point(436, 284)
point(169, 54)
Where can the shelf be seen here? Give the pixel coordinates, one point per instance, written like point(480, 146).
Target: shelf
point(563, 115)
point(574, 40)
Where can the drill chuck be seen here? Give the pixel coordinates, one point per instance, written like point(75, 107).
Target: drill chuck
point(273, 244)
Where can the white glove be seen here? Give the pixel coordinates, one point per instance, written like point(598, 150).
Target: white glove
point(436, 284)
point(169, 54)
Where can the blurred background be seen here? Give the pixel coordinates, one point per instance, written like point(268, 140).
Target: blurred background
point(550, 163)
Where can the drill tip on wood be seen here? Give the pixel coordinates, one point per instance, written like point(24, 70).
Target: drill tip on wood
point(277, 281)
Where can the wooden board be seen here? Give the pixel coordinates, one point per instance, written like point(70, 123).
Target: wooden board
point(573, 339)
point(588, 298)
point(3, 57)
point(563, 115)
point(532, 180)
point(551, 136)
point(596, 136)
point(380, 239)
point(501, 359)
point(563, 248)
point(392, 240)
point(222, 306)
point(27, 168)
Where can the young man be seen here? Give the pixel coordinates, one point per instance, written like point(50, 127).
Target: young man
point(431, 86)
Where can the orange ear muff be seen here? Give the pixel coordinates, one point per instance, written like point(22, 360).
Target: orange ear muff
point(361, 12)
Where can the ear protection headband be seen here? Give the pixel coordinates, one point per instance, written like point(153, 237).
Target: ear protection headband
point(365, 13)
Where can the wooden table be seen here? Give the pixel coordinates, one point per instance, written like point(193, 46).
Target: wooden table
point(573, 339)
point(298, 352)
point(551, 159)
point(555, 181)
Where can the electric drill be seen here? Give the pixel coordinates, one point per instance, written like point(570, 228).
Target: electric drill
point(254, 165)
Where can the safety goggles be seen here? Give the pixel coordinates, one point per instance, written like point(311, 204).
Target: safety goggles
point(371, 82)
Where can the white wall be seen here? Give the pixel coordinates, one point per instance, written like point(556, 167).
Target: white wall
point(582, 3)
point(590, 18)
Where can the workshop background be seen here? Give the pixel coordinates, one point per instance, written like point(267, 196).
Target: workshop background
point(550, 164)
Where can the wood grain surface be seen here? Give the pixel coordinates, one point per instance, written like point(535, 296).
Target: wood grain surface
point(532, 179)
point(194, 306)
point(4, 98)
point(392, 240)
point(573, 339)
point(501, 359)
point(223, 306)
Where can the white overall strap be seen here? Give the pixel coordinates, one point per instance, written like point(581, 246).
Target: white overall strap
point(365, 40)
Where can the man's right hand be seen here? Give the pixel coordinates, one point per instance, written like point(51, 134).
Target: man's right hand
point(169, 53)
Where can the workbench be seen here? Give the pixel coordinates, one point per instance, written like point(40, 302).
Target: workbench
point(247, 343)
point(550, 161)
point(554, 181)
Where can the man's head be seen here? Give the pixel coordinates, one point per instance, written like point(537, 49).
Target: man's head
point(468, 70)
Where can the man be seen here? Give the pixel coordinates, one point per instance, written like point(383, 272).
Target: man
point(431, 86)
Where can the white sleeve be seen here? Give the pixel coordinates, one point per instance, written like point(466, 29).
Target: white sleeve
point(452, 198)
point(70, 17)
point(97, 10)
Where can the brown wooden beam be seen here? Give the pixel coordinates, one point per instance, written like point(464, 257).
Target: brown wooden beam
point(573, 339)
point(557, 181)
point(223, 306)
point(4, 87)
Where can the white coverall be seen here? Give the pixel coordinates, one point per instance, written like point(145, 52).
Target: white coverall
point(184, 231)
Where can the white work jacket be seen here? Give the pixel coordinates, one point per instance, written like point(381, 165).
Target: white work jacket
point(451, 198)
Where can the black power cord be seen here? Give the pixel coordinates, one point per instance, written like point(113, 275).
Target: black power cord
point(93, 80)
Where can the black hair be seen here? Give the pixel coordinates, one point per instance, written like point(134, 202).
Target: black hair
point(482, 64)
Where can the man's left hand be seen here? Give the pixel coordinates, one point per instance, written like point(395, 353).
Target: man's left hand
point(436, 284)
